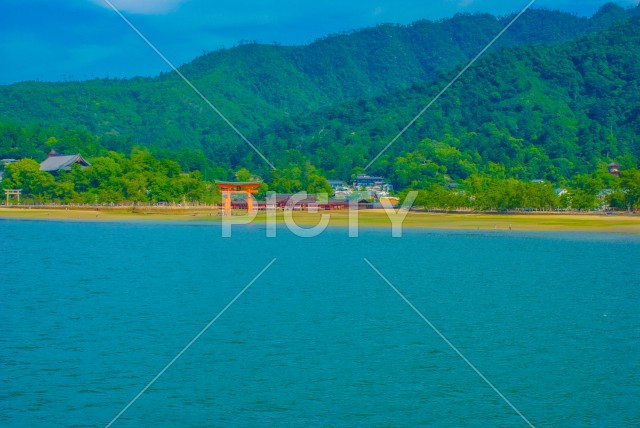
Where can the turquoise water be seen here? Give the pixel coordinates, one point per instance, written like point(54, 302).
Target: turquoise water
point(91, 312)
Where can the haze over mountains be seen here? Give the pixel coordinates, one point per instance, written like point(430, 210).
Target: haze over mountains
point(556, 96)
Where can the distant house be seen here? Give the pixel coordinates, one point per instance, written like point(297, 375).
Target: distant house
point(363, 180)
point(6, 162)
point(56, 162)
point(336, 184)
point(614, 169)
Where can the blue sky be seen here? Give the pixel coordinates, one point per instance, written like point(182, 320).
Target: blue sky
point(53, 40)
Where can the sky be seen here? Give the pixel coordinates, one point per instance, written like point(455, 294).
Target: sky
point(53, 40)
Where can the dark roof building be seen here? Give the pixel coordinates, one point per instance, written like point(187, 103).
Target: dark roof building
point(309, 203)
point(56, 162)
point(363, 180)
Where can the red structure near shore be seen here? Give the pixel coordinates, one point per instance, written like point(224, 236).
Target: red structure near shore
point(228, 187)
point(281, 201)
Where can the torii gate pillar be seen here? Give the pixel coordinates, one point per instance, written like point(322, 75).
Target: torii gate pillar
point(229, 187)
point(12, 192)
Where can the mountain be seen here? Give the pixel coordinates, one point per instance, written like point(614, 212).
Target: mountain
point(553, 83)
point(541, 111)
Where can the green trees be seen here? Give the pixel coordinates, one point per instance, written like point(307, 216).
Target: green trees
point(485, 193)
point(243, 175)
point(112, 178)
point(630, 185)
point(143, 178)
point(586, 192)
point(296, 179)
point(441, 198)
point(26, 175)
point(510, 194)
point(582, 200)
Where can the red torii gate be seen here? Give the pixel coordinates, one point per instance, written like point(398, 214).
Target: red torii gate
point(229, 187)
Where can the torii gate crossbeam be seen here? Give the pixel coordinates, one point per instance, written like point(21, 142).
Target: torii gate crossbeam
point(229, 187)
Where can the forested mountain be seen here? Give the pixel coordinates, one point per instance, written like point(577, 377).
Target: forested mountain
point(555, 96)
point(538, 111)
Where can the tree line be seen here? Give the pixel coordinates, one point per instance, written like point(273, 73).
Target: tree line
point(142, 177)
point(598, 191)
point(112, 178)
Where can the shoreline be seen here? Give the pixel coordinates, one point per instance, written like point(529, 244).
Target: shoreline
point(591, 222)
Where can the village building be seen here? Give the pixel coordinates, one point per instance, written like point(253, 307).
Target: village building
point(614, 169)
point(336, 184)
point(374, 184)
point(56, 162)
point(363, 181)
point(310, 202)
point(387, 187)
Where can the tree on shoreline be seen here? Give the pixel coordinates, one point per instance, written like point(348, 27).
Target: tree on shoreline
point(112, 178)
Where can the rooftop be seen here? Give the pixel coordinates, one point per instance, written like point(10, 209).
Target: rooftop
point(56, 162)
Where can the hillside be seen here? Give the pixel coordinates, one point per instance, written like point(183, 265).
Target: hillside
point(554, 97)
point(536, 111)
point(256, 85)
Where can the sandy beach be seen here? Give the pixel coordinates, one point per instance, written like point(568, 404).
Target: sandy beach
point(614, 223)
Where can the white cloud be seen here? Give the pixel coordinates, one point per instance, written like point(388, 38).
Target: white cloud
point(146, 7)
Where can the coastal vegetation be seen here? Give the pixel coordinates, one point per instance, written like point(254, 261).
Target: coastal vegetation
point(486, 193)
point(143, 178)
point(112, 178)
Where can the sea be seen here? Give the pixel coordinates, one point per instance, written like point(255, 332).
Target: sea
point(135, 324)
